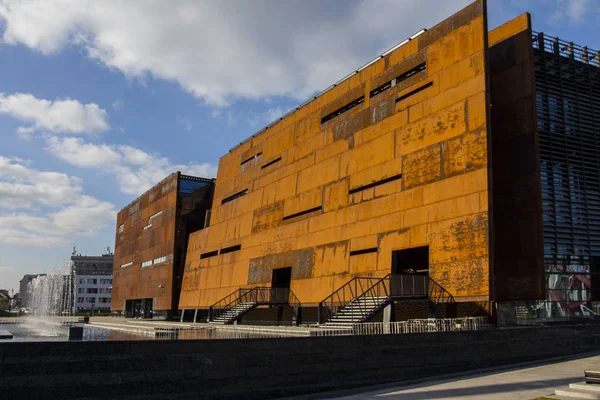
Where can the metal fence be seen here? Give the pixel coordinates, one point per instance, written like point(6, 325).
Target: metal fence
point(369, 328)
point(407, 327)
point(546, 312)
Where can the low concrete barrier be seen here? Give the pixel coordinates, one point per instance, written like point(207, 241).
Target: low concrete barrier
point(268, 368)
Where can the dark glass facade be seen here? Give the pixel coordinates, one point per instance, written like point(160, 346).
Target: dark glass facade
point(568, 111)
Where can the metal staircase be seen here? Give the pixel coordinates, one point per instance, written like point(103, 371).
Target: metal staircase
point(361, 298)
point(232, 307)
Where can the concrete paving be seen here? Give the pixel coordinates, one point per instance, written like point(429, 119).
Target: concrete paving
point(514, 384)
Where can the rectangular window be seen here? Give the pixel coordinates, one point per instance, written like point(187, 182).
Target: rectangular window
point(129, 264)
point(160, 260)
point(234, 196)
point(121, 228)
point(402, 77)
point(413, 92)
point(146, 264)
point(147, 226)
point(209, 254)
point(302, 213)
point(231, 249)
point(155, 215)
point(271, 163)
point(81, 290)
point(371, 185)
point(251, 158)
point(363, 251)
point(343, 109)
point(80, 299)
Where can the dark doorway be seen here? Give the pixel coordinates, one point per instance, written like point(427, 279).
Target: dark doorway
point(411, 261)
point(410, 272)
point(280, 285)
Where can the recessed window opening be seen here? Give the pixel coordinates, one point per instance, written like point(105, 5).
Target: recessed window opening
point(302, 213)
point(402, 77)
point(271, 163)
point(371, 185)
point(121, 228)
point(129, 264)
point(231, 248)
point(146, 264)
point(155, 215)
point(363, 251)
point(343, 109)
point(160, 260)
point(234, 196)
point(251, 158)
point(417, 90)
point(147, 226)
point(209, 254)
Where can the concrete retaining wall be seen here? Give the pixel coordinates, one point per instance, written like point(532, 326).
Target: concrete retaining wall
point(267, 368)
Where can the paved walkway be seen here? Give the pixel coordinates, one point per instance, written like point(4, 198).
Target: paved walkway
point(516, 384)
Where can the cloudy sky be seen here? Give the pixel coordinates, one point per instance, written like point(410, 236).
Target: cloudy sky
point(101, 99)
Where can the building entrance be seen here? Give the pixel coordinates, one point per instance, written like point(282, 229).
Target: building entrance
point(410, 272)
point(138, 308)
point(280, 284)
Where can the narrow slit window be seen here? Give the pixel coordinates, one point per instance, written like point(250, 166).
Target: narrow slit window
point(251, 158)
point(413, 92)
point(160, 260)
point(146, 264)
point(363, 251)
point(402, 77)
point(234, 196)
point(271, 163)
point(129, 264)
point(209, 254)
point(231, 249)
point(302, 213)
point(155, 215)
point(343, 109)
point(147, 226)
point(371, 185)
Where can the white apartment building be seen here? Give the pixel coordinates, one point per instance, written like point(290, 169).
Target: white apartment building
point(93, 283)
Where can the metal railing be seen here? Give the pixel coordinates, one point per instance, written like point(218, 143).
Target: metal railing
point(407, 327)
point(412, 326)
point(543, 312)
point(254, 297)
point(343, 296)
point(404, 286)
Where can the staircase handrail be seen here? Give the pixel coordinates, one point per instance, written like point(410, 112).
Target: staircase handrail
point(439, 294)
point(344, 295)
point(258, 295)
point(381, 288)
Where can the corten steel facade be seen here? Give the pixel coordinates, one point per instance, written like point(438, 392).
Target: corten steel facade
point(396, 156)
point(150, 245)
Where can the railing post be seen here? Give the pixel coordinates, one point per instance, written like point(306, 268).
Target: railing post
point(210, 309)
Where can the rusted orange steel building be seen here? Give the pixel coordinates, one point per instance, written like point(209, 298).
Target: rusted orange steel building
point(150, 245)
point(390, 175)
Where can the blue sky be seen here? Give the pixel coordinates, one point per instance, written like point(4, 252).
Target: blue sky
point(100, 100)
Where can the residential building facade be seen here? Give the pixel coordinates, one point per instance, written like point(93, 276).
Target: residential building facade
point(92, 277)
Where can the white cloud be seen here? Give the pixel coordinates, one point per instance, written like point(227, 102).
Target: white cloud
point(22, 186)
point(136, 171)
point(118, 105)
point(56, 208)
point(261, 49)
point(58, 116)
point(185, 123)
